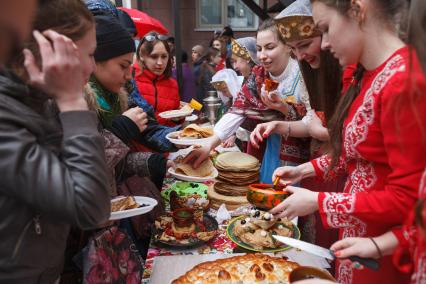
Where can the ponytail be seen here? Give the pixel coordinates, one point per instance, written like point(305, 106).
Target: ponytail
point(339, 116)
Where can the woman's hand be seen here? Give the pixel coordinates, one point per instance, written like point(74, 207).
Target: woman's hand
point(230, 142)
point(61, 74)
point(197, 156)
point(362, 247)
point(272, 101)
point(316, 129)
point(262, 131)
point(288, 175)
point(138, 116)
point(301, 202)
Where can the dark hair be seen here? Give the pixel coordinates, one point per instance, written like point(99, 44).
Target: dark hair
point(418, 213)
point(323, 84)
point(386, 10)
point(222, 41)
point(211, 52)
point(227, 31)
point(207, 59)
point(146, 47)
point(269, 25)
point(70, 18)
point(184, 56)
point(171, 39)
point(417, 29)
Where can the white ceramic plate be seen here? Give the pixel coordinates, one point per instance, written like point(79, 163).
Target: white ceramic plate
point(186, 142)
point(151, 203)
point(175, 113)
point(191, 118)
point(195, 179)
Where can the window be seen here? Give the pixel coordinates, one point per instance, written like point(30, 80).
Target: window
point(215, 14)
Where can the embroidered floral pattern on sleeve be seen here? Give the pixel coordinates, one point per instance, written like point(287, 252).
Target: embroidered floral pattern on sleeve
point(323, 164)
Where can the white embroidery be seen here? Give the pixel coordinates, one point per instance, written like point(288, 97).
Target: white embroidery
point(419, 275)
point(345, 273)
point(323, 163)
point(363, 176)
point(356, 130)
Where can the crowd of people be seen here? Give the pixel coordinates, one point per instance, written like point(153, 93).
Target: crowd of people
point(343, 131)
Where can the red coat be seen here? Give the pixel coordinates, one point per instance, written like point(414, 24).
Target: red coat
point(160, 92)
point(383, 156)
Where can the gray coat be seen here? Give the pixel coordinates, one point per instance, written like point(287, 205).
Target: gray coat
point(51, 177)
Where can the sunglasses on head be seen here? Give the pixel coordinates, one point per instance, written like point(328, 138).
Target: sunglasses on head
point(153, 36)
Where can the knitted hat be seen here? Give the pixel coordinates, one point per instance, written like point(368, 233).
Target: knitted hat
point(101, 7)
point(296, 23)
point(112, 39)
point(245, 48)
point(127, 22)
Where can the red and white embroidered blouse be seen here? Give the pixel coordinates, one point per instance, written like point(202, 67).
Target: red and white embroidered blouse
point(410, 256)
point(383, 158)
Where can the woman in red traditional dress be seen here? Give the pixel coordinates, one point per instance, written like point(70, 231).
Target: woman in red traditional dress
point(411, 238)
point(375, 137)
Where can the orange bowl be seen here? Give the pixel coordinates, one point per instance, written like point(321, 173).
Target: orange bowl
point(263, 195)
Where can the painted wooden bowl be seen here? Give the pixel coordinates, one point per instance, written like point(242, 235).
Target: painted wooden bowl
point(308, 272)
point(264, 196)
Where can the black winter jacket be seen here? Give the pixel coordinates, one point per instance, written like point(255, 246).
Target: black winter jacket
point(52, 175)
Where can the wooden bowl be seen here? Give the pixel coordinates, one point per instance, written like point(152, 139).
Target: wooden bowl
point(308, 272)
point(264, 196)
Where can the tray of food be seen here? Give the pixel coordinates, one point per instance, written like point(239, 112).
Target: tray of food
point(254, 231)
point(184, 228)
point(129, 206)
point(191, 135)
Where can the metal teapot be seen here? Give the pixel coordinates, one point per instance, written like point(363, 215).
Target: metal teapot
point(212, 104)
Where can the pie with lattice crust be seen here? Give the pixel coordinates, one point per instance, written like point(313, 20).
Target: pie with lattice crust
point(249, 268)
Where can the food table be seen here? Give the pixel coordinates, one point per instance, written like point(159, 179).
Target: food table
point(157, 258)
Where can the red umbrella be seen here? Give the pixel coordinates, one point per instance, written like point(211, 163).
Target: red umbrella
point(145, 23)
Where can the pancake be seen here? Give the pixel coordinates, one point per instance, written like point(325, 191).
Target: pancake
point(195, 131)
point(230, 190)
point(231, 200)
point(237, 161)
point(205, 169)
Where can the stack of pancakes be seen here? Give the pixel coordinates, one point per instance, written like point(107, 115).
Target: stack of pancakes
point(236, 171)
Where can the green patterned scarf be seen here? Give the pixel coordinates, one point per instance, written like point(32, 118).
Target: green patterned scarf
point(108, 102)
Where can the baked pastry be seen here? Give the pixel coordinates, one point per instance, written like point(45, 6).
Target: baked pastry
point(270, 85)
point(126, 203)
point(249, 268)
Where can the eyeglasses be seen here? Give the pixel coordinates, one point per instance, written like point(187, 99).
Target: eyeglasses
point(151, 37)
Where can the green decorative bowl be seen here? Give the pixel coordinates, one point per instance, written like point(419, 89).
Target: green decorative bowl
point(263, 196)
